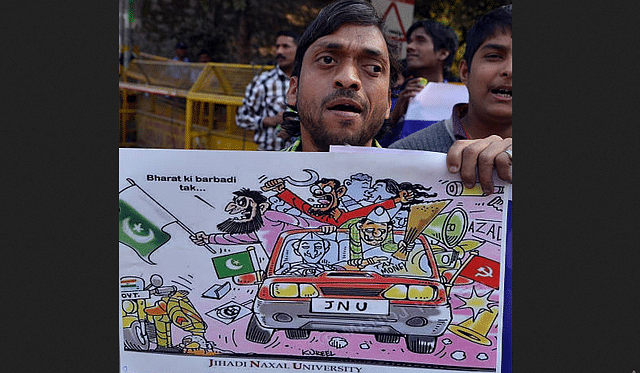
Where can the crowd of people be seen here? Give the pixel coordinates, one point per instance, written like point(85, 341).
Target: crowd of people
point(288, 114)
point(339, 83)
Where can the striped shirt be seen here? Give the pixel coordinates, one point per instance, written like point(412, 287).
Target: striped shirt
point(264, 97)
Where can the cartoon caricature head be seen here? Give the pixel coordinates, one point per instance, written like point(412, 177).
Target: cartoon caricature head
point(311, 247)
point(327, 193)
point(357, 184)
point(375, 227)
point(248, 206)
point(380, 190)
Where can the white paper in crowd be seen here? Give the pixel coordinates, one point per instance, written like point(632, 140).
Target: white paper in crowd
point(435, 101)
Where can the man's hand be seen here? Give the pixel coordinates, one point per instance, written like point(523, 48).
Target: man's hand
point(328, 229)
point(283, 135)
point(273, 121)
point(411, 89)
point(200, 238)
point(274, 184)
point(476, 160)
point(404, 196)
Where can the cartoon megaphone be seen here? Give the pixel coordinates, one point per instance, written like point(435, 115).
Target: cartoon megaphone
point(449, 228)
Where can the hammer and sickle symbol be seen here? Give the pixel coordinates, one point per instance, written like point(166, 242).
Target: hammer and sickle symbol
point(484, 272)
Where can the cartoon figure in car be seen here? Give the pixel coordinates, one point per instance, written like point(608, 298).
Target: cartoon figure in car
point(312, 249)
point(371, 239)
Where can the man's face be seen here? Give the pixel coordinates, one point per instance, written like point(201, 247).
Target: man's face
point(342, 94)
point(311, 251)
point(489, 81)
point(356, 188)
point(285, 51)
point(245, 207)
point(204, 58)
point(327, 197)
point(377, 193)
point(248, 219)
point(373, 233)
point(420, 51)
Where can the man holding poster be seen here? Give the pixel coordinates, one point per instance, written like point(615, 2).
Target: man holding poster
point(341, 89)
point(317, 315)
point(486, 71)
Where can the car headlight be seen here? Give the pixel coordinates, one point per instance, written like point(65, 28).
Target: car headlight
point(411, 292)
point(292, 290)
point(396, 292)
point(421, 292)
point(308, 291)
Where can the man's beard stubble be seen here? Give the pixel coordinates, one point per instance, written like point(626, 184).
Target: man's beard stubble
point(232, 226)
point(319, 133)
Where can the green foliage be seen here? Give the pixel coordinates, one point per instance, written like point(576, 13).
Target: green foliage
point(235, 31)
point(243, 31)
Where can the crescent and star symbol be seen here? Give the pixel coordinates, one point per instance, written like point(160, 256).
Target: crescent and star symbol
point(126, 228)
point(233, 264)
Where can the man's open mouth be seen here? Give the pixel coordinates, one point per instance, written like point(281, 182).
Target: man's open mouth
point(322, 203)
point(345, 106)
point(506, 93)
point(244, 215)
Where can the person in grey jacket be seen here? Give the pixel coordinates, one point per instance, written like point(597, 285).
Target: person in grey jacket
point(486, 71)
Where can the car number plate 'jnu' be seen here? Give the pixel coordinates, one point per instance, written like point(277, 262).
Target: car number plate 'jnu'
point(350, 306)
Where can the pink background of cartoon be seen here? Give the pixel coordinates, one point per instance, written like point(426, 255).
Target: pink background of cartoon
point(188, 266)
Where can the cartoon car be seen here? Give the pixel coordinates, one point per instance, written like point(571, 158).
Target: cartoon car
point(389, 298)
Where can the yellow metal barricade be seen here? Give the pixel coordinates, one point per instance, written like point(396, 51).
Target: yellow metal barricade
point(186, 105)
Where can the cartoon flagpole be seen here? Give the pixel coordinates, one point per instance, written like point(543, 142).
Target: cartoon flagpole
point(181, 224)
point(452, 281)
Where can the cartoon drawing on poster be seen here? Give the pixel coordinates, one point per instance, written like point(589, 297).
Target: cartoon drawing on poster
point(365, 262)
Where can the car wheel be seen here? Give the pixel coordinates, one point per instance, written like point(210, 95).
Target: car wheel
point(133, 337)
point(421, 344)
point(297, 333)
point(257, 333)
point(387, 338)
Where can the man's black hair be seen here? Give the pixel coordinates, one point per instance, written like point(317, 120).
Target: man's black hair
point(419, 190)
point(329, 20)
point(325, 180)
point(444, 37)
point(334, 16)
point(496, 21)
point(258, 197)
point(293, 34)
point(254, 225)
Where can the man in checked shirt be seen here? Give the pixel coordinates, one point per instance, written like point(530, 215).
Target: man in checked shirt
point(264, 99)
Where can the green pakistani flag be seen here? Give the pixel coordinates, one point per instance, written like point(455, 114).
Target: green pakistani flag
point(141, 220)
point(233, 264)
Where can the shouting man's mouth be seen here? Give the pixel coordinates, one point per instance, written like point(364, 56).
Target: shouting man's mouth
point(502, 92)
point(345, 105)
point(324, 205)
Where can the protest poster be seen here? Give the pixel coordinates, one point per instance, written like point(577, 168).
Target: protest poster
point(285, 262)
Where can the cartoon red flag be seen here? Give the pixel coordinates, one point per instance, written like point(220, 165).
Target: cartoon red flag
point(482, 270)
